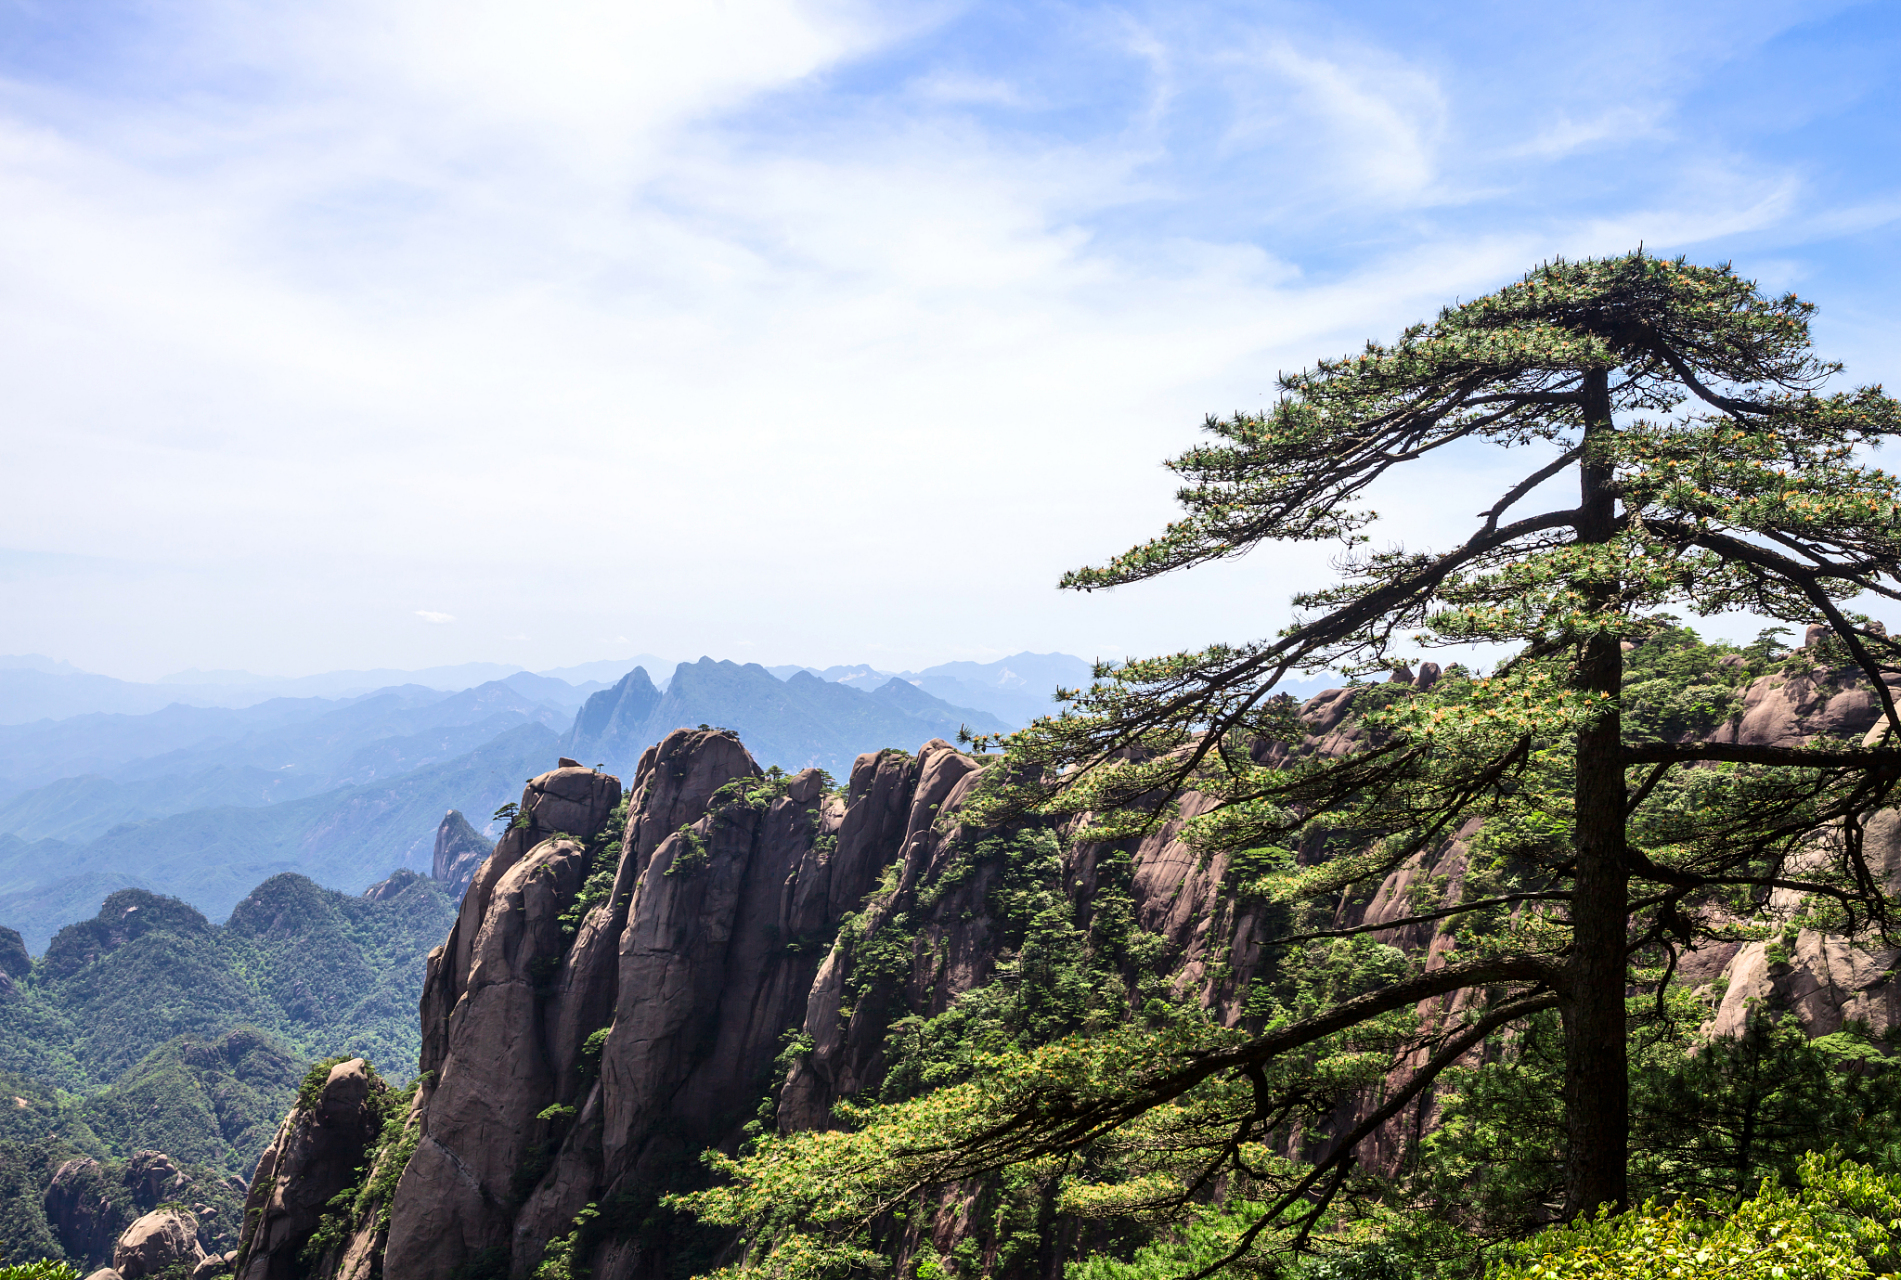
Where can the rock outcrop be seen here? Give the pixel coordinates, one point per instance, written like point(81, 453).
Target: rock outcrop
point(88, 1209)
point(460, 850)
point(619, 993)
point(394, 887)
point(14, 960)
point(80, 1209)
point(318, 1151)
point(160, 1240)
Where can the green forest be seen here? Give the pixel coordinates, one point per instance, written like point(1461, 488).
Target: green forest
point(148, 1029)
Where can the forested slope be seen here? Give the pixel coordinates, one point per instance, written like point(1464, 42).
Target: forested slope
point(148, 1029)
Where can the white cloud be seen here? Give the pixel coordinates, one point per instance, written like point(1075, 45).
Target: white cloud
point(1373, 125)
point(548, 310)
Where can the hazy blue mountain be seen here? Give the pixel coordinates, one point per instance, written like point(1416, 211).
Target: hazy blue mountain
point(792, 723)
point(27, 695)
point(42, 908)
point(346, 838)
point(613, 721)
point(239, 686)
point(100, 742)
point(249, 759)
point(34, 687)
point(551, 691)
point(39, 857)
point(1015, 690)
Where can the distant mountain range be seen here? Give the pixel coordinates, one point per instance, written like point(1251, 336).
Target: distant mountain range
point(35, 687)
point(204, 799)
point(1016, 689)
point(795, 723)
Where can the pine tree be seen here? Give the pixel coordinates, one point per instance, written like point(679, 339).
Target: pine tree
point(1712, 473)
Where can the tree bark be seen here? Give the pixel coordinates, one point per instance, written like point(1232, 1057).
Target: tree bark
point(1596, 1073)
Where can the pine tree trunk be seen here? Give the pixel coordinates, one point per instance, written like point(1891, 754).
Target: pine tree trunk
point(1596, 1078)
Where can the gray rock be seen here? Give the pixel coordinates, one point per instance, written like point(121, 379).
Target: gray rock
point(460, 849)
point(80, 1209)
point(315, 1155)
point(160, 1239)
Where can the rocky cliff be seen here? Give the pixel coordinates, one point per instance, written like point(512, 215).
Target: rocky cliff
point(460, 851)
point(635, 978)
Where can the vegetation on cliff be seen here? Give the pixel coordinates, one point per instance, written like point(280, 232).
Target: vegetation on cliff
point(1712, 475)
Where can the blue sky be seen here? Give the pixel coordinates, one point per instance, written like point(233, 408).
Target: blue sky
point(349, 334)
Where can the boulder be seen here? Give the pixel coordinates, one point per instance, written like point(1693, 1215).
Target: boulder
point(151, 1176)
point(161, 1239)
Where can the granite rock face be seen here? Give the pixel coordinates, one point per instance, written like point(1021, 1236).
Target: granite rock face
point(160, 1240)
point(88, 1210)
point(460, 850)
point(617, 990)
point(316, 1154)
point(80, 1209)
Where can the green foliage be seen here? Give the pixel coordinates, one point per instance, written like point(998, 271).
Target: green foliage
point(25, 1170)
point(323, 971)
point(603, 863)
point(154, 1001)
point(1692, 414)
point(588, 1061)
point(1059, 967)
point(692, 859)
point(753, 792)
point(562, 1259)
point(1838, 1219)
point(1675, 685)
point(395, 1144)
point(45, 1269)
point(215, 1103)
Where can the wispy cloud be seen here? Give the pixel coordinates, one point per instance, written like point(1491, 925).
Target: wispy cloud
point(663, 319)
point(430, 615)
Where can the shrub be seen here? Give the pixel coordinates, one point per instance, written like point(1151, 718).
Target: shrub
point(1840, 1219)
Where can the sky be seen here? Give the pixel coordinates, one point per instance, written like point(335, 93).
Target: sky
point(342, 334)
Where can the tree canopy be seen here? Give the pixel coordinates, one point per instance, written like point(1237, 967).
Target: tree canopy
point(1689, 456)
